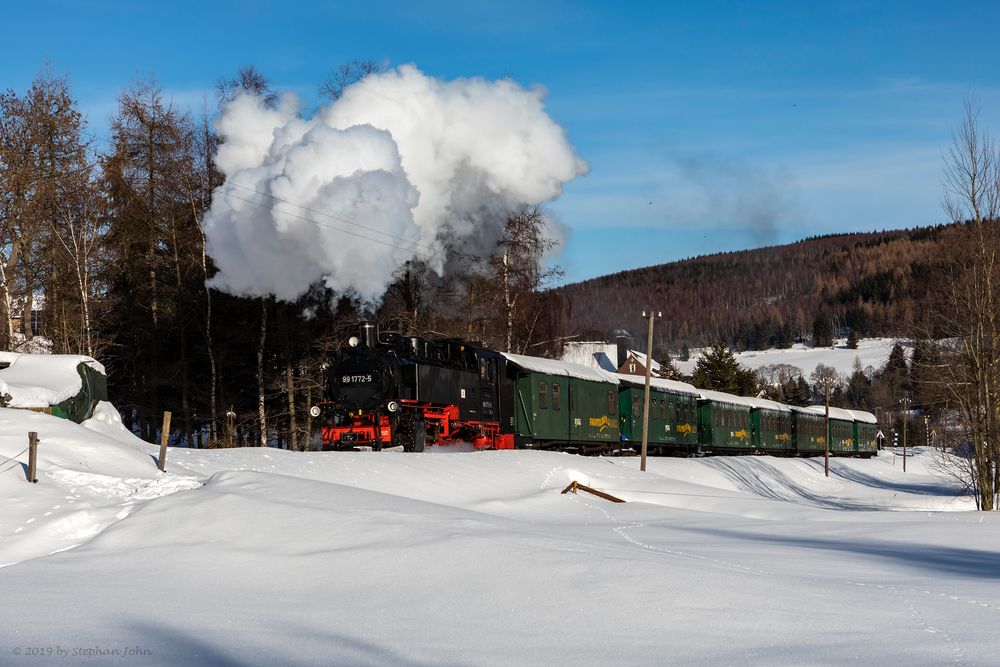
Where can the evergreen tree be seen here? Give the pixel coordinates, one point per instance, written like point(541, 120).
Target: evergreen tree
point(859, 388)
point(154, 240)
point(925, 370)
point(799, 393)
point(853, 339)
point(717, 369)
point(896, 372)
point(822, 331)
point(668, 370)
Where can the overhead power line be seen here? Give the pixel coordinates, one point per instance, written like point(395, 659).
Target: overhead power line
point(332, 216)
point(410, 246)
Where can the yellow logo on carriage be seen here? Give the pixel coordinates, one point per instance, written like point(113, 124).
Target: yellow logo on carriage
point(685, 428)
point(744, 434)
point(783, 436)
point(603, 422)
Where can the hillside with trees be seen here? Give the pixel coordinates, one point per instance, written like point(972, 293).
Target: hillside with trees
point(872, 284)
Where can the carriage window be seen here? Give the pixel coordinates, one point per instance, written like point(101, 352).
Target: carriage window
point(482, 369)
point(611, 402)
point(555, 396)
point(635, 406)
point(543, 395)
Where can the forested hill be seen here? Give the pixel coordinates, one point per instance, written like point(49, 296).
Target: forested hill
point(874, 283)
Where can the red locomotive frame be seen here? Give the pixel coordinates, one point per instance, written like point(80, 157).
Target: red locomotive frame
point(441, 421)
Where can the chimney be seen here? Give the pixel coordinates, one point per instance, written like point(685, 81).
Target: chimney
point(622, 341)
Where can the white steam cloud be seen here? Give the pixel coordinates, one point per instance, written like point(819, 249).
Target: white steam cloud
point(398, 163)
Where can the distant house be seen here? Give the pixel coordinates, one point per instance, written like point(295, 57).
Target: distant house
point(17, 316)
point(612, 357)
point(635, 364)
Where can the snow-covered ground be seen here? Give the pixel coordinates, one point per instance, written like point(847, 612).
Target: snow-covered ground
point(265, 557)
point(872, 352)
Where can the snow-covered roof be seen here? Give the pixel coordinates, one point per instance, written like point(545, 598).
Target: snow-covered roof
point(723, 397)
point(767, 404)
point(41, 380)
point(674, 386)
point(593, 354)
point(557, 367)
point(835, 413)
point(862, 416)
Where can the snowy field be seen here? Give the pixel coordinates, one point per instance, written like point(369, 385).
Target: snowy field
point(871, 352)
point(267, 557)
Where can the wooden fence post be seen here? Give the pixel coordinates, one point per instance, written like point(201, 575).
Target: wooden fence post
point(164, 439)
point(32, 457)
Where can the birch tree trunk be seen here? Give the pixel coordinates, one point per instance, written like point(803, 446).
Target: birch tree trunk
point(261, 408)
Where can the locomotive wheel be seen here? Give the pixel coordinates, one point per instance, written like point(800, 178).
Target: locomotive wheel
point(412, 433)
point(419, 435)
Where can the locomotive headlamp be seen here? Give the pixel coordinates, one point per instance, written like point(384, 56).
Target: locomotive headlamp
point(353, 341)
point(392, 406)
point(314, 411)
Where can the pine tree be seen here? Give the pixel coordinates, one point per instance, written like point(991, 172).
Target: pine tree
point(853, 339)
point(668, 370)
point(896, 372)
point(822, 331)
point(800, 394)
point(859, 388)
point(717, 369)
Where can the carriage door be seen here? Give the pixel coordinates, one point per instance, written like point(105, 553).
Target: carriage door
point(488, 385)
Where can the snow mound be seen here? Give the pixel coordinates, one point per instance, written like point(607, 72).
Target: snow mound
point(89, 477)
point(41, 380)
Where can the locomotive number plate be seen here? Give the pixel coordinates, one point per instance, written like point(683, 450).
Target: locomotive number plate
point(354, 379)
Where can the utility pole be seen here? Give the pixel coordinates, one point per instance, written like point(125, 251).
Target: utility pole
point(906, 416)
point(649, 371)
point(826, 442)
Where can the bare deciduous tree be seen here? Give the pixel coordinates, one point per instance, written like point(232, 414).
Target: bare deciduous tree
point(967, 315)
point(343, 76)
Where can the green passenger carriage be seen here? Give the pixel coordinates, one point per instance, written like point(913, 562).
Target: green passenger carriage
point(724, 422)
point(559, 404)
point(842, 441)
point(808, 431)
point(865, 433)
point(673, 413)
point(771, 426)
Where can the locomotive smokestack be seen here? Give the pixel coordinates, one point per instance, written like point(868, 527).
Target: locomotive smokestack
point(368, 334)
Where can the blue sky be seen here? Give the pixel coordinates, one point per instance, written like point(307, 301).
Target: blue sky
point(708, 126)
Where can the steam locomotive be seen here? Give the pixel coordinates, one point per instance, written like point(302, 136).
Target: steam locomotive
point(390, 390)
point(387, 389)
